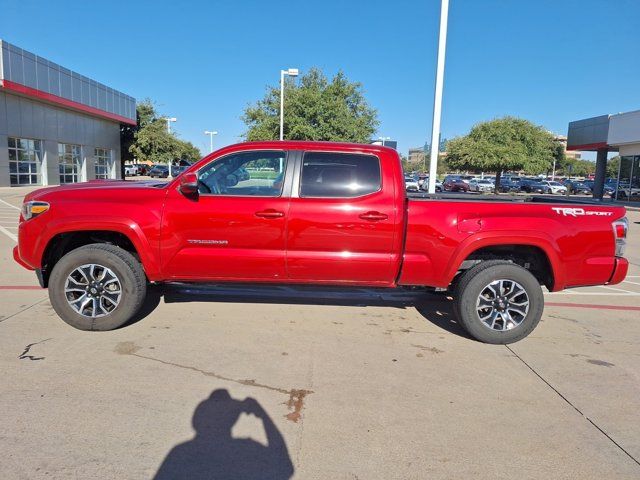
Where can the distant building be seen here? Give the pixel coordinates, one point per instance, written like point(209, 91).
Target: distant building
point(568, 153)
point(416, 155)
point(57, 126)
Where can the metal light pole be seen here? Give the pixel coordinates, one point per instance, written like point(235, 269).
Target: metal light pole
point(291, 72)
point(437, 102)
point(211, 134)
point(169, 120)
point(383, 139)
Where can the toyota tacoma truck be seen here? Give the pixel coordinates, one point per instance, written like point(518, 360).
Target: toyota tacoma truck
point(314, 213)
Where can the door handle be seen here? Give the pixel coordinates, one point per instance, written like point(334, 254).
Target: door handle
point(269, 213)
point(373, 216)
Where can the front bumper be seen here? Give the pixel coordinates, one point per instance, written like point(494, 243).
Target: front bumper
point(16, 257)
point(620, 269)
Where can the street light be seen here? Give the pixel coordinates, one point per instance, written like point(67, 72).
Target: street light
point(437, 101)
point(169, 120)
point(211, 134)
point(292, 72)
point(384, 139)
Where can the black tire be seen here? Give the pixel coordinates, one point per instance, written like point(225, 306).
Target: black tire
point(126, 268)
point(472, 283)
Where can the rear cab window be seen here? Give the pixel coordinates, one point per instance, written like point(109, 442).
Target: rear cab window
point(339, 175)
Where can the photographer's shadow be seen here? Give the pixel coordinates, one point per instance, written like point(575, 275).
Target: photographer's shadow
point(214, 454)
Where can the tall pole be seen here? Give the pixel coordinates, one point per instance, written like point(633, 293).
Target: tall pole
point(282, 72)
point(211, 134)
point(437, 102)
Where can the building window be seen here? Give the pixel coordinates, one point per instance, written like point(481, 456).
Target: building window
point(103, 162)
point(25, 161)
point(69, 163)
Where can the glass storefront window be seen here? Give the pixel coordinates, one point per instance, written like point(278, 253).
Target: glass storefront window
point(25, 161)
point(103, 163)
point(629, 179)
point(69, 163)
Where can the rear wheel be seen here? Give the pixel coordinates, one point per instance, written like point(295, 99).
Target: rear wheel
point(97, 287)
point(498, 302)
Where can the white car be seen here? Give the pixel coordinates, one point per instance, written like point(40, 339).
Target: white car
point(481, 185)
point(554, 187)
point(130, 170)
point(425, 185)
point(411, 185)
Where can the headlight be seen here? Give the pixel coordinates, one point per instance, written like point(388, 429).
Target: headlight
point(33, 209)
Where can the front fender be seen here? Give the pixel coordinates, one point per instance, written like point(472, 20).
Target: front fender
point(123, 225)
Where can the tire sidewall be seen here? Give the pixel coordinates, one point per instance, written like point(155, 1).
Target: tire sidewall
point(129, 301)
point(466, 304)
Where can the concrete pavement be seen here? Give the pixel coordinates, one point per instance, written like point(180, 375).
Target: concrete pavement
point(360, 387)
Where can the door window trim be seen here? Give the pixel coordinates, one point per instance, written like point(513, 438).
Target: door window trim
point(290, 159)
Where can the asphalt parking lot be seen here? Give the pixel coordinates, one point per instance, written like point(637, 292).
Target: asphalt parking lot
point(320, 386)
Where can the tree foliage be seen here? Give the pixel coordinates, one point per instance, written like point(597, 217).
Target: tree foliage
point(150, 141)
point(506, 143)
point(315, 109)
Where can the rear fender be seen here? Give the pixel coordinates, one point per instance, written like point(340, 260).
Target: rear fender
point(489, 239)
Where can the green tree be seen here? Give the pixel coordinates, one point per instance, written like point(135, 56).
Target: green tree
point(506, 143)
point(613, 165)
point(150, 141)
point(315, 109)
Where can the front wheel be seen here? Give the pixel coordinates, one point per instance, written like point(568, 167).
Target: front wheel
point(97, 287)
point(498, 302)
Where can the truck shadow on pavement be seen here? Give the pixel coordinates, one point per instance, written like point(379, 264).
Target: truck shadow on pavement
point(214, 454)
point(434, 307)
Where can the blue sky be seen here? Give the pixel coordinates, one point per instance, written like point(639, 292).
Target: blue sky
point(203, 61)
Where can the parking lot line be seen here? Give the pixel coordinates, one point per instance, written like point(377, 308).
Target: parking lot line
point(9, 205)
point(596, 307)
point(603, 294)
point(8, 233)
point(632, 283)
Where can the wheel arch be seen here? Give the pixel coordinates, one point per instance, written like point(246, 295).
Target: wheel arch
point(69, 238)
point(536, 253)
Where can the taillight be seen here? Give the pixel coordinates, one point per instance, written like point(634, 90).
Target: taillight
point(620, 229)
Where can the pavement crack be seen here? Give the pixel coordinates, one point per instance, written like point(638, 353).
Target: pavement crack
point(574, 407)
point(296, 395)
point(27, 349)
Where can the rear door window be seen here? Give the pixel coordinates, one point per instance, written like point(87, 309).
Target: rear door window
point(339, 175)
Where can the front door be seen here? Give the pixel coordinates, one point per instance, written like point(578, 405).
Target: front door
point(235, 229)
point(342, 223)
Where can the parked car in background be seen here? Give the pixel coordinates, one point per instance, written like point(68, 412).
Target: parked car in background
point(130, 170)
point(483, 186)
point(454, 183)
point(554, 187)
point(410, 184)
point(177, 170)
point(578, 188)
point(608, 188)
point(143, 168)
point(424, 186)
point(532, 186)
point(509, 186)
point(159, 171)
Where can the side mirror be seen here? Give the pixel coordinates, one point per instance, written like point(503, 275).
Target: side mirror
point(189, 185)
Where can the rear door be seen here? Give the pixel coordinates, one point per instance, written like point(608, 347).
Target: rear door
point(235, 229)
point(342, 221)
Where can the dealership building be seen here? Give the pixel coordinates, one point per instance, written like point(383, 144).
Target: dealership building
point(619, 133)
point(57, 126)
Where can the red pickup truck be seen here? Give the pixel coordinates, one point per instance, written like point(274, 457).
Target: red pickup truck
point(313, 213)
